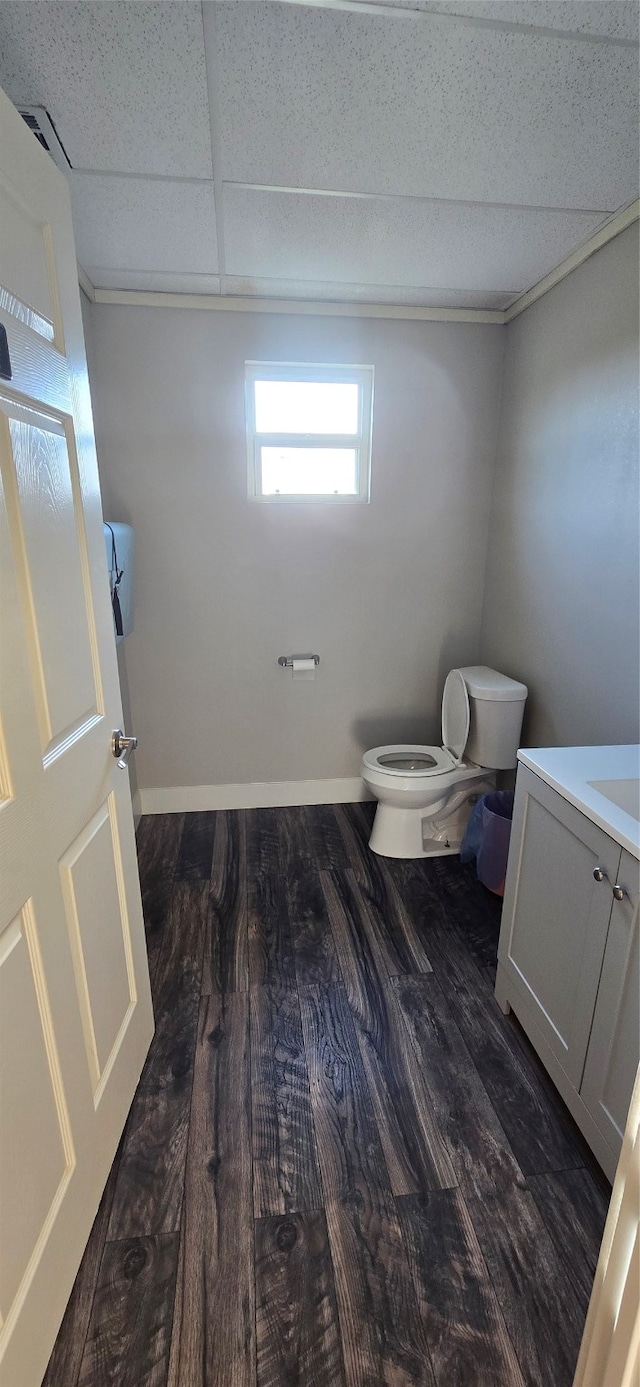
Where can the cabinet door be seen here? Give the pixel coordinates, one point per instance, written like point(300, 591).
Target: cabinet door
point(556, 916)
point(614, 1045)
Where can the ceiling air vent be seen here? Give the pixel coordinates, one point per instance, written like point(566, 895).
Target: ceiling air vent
point(44, 130)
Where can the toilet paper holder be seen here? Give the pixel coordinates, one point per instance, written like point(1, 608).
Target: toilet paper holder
point(286, 661)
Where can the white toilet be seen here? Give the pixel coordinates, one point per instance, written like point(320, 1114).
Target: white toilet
point(425, 793)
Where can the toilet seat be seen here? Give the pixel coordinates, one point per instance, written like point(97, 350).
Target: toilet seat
point(416, 762)
point(456, 715)
point(409, 761)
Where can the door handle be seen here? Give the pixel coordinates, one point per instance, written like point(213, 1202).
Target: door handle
point(122, 747)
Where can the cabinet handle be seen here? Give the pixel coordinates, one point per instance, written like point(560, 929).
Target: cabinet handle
point(619, 892)
point(598, 874)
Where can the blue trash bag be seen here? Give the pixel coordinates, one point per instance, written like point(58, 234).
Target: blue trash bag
point(497, 813)
point(487, 838)
point(470, 845)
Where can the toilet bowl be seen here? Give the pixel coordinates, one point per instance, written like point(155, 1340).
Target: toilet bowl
point(425, 793)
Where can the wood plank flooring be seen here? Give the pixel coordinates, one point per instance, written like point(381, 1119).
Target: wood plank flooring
point(343, 1167)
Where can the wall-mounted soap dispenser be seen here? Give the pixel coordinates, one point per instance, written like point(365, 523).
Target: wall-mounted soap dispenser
point(118, 540)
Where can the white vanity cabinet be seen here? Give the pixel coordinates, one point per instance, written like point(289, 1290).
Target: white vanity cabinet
point(612, 1056)
point(568, 959)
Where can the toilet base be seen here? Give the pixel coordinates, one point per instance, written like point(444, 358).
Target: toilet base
point(413, 833)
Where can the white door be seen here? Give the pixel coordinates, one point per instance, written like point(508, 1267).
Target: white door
point(610, 1350)
point(75, 1005)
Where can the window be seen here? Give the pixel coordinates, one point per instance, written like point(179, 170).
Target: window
point(308, 431)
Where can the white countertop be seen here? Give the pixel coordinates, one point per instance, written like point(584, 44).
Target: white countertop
point(571, 771)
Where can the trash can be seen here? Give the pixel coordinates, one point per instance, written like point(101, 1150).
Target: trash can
point(487, 838)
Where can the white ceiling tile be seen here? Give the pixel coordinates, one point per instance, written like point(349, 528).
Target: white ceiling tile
point(146, 281)
point(125, 82)
point(143, 224)
point(358, 102)
point(364, 293)
point(613, 18)
point(395, 241)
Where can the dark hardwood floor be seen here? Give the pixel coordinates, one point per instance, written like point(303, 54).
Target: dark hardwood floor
point(343, 1167)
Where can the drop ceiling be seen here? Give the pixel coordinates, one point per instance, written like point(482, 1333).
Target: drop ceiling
point(446, 153)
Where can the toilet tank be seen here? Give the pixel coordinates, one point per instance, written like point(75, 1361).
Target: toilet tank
point(496, 708)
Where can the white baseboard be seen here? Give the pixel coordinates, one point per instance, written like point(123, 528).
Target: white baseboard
point(180, 799)
point(137, 808)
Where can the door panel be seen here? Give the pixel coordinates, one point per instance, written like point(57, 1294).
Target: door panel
point(556, 915)
point(552, 859)
point(26, 260)
point(614, 1045)
point(6, 792)
point(75, 1002)
point(47, 532)
point(102, 956)
point(36, 1152)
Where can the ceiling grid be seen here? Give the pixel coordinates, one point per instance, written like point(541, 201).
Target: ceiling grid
point(428, 154)
point(211, 62)
point(586, 19)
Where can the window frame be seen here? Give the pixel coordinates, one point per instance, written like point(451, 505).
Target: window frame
point(311, 372)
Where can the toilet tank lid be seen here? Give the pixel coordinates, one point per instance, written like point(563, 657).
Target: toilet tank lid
point(489, 684)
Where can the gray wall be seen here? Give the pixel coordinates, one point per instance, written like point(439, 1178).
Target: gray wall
point(88, 310)
point(388, 594)
point(561, 595)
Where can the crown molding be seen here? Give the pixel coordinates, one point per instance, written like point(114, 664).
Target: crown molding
point(230, 303)
point(86, 285)
point(213, 86)
point(407, 11)
point(608, 232)
point(321, 308)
